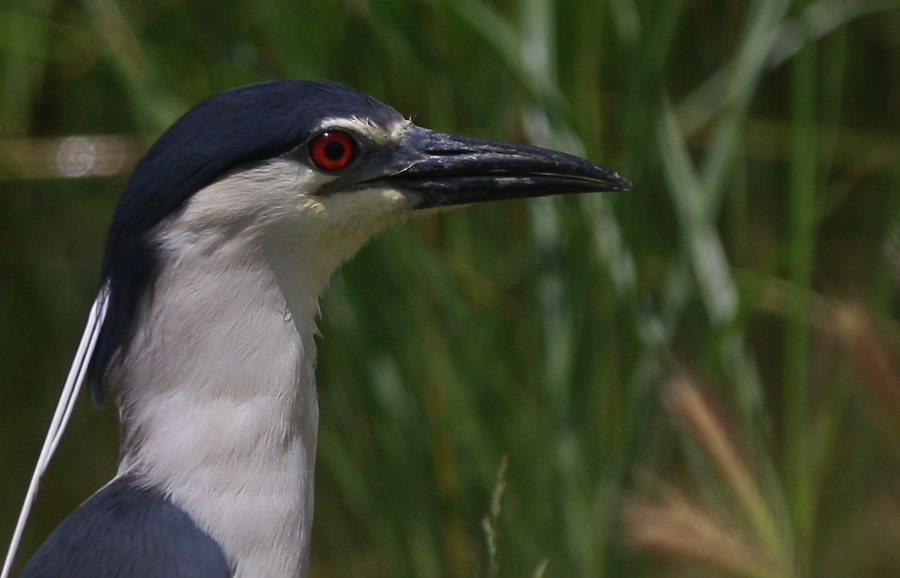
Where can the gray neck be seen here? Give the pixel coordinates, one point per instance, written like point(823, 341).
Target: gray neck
point(217, 394)
point(218, 401)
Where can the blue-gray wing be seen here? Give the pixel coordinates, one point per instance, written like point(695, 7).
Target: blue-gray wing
point(127, 531)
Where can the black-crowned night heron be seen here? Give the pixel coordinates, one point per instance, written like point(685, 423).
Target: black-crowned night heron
point(203, 329)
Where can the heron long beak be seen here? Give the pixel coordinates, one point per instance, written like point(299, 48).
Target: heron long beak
point(439, 169)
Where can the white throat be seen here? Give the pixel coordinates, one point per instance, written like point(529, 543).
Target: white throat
point(217, 394)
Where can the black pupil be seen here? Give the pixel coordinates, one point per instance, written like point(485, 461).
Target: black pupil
point(334, 150)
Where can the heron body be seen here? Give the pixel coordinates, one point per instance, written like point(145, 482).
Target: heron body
point(223, 240)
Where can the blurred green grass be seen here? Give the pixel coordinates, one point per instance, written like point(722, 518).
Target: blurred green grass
point(764, 140)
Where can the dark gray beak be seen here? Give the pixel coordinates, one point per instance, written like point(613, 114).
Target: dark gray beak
point(438, 169)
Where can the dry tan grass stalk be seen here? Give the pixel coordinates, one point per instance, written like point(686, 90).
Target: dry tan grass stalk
point(676, 526)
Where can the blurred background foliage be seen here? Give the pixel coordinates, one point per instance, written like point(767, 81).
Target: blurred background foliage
point(695, 378)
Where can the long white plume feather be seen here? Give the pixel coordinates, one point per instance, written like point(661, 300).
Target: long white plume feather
point(61, 416)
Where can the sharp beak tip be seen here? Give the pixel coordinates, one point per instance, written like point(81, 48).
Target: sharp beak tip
point(620, 183)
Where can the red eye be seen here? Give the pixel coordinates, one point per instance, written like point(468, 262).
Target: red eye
point(332, 150)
